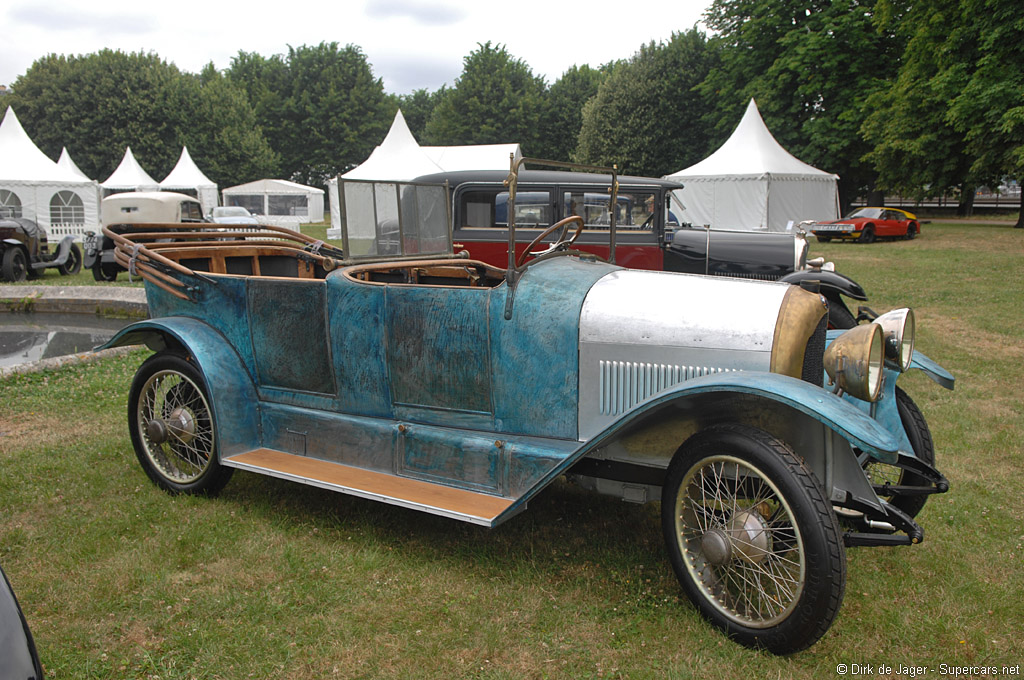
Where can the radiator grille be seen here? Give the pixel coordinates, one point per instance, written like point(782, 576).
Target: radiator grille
point(624, 384)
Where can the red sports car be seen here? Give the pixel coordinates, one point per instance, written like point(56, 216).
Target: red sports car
point(867, 224)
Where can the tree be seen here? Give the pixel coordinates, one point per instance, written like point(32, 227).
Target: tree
point(98, 104)
point(563, 117)
point(646, 116)
point(916, 148)
point(418, 107)
point(811, 67)
point(989, 110)
point(321, 107)
point(496, 100)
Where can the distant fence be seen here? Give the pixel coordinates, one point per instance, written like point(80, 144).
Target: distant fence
point(1008, 199)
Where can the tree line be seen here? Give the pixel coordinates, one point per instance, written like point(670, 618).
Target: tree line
point(891, 95)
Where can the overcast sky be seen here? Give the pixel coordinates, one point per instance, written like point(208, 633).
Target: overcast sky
point(410, 44)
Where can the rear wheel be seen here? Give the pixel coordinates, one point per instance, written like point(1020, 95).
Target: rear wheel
point(752, 539)
point(912, 229)
point(14, 266)
point(105, 272)
point(73, 264)
point(172, 427)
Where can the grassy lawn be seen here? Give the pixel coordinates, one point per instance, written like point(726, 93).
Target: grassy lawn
point(273, 579)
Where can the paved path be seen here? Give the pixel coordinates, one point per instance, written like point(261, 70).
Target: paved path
point(115, 300)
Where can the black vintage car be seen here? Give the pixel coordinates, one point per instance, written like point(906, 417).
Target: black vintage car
point(25, 253)
point(649, 236)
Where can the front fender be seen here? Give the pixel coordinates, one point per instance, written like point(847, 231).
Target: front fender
point(830, 282)
point(793, 395)
point(231, 389)
point(63, 249)
point(920, 361)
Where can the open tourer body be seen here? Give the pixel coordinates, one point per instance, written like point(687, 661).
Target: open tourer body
point(392, 371)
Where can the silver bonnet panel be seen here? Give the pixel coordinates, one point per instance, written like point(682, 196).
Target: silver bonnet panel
point(643, 332)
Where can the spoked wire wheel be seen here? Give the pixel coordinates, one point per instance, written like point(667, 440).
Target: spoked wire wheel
point(172, 427)
point(752, 539)
point(740, 542)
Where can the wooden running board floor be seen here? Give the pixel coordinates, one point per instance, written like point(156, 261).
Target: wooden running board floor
point(437, 499)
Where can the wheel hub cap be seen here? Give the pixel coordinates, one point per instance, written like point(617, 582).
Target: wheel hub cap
point(180, 424)
point(748, 535)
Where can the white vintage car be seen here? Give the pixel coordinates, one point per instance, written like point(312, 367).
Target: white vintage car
point(395, 372)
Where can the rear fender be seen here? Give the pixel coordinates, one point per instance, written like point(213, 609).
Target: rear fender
point(822, 428)
point(231, 390)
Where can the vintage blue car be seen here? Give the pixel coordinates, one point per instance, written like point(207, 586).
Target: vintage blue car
point(392, 371)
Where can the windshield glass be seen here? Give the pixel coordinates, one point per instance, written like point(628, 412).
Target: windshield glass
point(230, 211)
point(870, 213)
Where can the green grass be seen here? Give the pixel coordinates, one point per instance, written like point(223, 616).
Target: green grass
point(273, 579)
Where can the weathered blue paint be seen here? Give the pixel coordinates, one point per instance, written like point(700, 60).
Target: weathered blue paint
point(289, 336)
point(221, 305)
point(933, 370)
point(438, 347)
point(356, 313)
point(236, 410)
point(535, 354)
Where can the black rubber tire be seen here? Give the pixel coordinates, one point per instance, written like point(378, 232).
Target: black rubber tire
point(73, 264)
point(789, 514)
point(824, 239)
point(921, 440)
point(169, 386)
point(104, 272)
point(912, 230)
point(839, 316)
point(867, 235)
point(14, 266)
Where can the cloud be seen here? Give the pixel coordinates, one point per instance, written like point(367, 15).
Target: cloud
point(403, 73)
point(425, 13)
point(55, 18)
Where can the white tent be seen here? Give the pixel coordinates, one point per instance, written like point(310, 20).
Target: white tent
point(752, 183)
point(399, 158)
point(186, 177)
point(33, 186)
point(65, 162)
point(278, 201)
point(129, 176)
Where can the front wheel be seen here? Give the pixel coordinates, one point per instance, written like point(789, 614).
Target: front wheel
point(172, 427)
point(14, 266)
point(867, 235)
point(824, 239)
point(73, 264)
point(752, 539)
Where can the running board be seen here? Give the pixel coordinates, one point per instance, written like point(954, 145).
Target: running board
point(437, 499)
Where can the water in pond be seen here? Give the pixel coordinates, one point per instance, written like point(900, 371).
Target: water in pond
point(31, 337)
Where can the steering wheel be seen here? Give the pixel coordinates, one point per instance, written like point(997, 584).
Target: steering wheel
point(560, 243)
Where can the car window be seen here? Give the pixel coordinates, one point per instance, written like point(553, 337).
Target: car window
point(485, 208)
point(635, 209)
point(191, 212)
